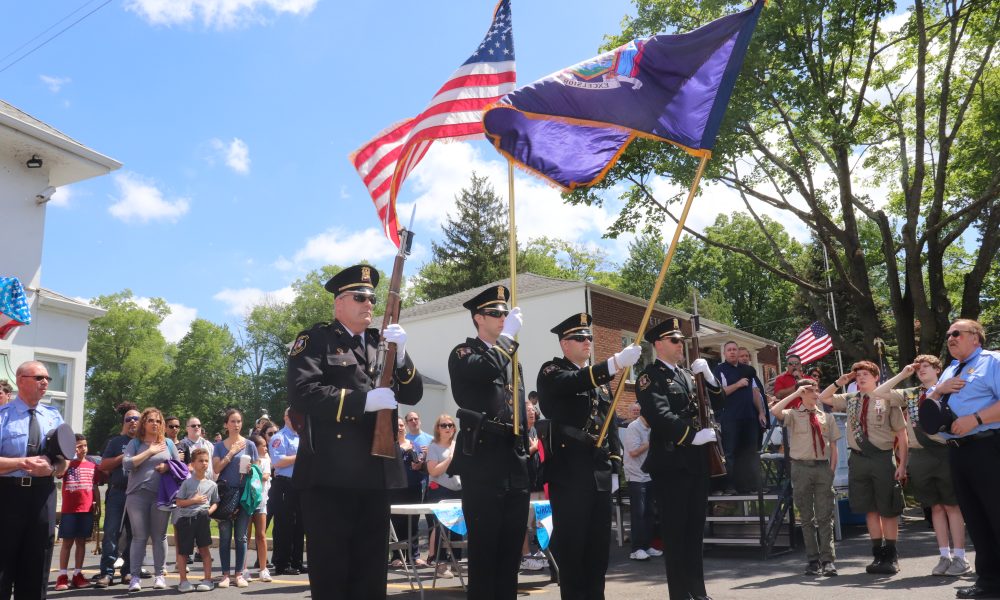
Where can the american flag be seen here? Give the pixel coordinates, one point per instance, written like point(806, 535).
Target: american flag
point(812, 344)
point(454, 113)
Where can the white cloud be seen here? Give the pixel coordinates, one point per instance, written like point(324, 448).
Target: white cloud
point(335, 246)
point(344, 194)
point(218, 14)
point(175, 325)
point(236, 153)
point(141, 201)
point(241, 301)
point(62, 197)
point(54, 83)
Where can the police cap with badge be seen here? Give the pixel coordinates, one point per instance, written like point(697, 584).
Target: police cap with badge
point(578, 325)
point(493, 298)
point(360, 279)
point(668, 328)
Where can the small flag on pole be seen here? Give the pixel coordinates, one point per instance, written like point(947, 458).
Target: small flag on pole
point(454, 113)
point(812, 344)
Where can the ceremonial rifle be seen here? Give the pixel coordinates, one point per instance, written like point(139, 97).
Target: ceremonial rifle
point(706, 416)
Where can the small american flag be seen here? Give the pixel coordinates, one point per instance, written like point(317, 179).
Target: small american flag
point(454, 113)
point(812, 344)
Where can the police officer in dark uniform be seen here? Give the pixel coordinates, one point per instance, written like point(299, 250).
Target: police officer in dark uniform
point(576, 400)
point(678, 458)
point(489, 457)
point(344, 489)
point(27, 490)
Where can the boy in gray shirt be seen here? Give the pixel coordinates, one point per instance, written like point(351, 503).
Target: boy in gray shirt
point(197, 498)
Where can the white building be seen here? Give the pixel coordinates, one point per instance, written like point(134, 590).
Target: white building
point(57, 334)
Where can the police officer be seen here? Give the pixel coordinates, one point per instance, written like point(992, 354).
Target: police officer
point(27, 490)
point(344, 489)
point(574, 396)
point(678, 458)
point(283, 502)
point(489, 457)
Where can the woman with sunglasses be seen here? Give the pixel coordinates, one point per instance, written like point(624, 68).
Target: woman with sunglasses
point(441, 485)
point(226, 460)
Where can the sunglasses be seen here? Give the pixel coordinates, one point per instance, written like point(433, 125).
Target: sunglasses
point(447, 425)
point(173, 426)
point(38, 377)
point(195, 426)
point(269, 433)
point(580, 338)
point(954, 333)
point(362, 298)
point(496, 314)
point(131, 419)
point(674, 340)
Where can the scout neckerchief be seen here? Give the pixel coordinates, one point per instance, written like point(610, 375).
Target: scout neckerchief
point(817, 432)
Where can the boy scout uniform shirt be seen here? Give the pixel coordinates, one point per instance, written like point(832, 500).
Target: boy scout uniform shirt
point(800, 433)
point(884, 419)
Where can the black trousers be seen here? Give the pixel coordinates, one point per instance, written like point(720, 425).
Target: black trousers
point(27, 520)
point(581, 534)
point(973, 468)
point(682, 497)
point(496, 519)
point(741, 444)
point(347, 533)
point(284, 505)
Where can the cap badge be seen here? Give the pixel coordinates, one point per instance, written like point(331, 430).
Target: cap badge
point(583, 318)
point(500, 293)
point(366, 274)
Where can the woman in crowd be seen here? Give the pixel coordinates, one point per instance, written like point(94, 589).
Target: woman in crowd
point(226, 462)
point(404, 524)
point(441, 485)
point(259, 520)
point(144, 460)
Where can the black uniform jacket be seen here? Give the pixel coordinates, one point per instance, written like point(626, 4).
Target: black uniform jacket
point(669, 403)
point(576, 403)
point(481, 382)
point(328, 382)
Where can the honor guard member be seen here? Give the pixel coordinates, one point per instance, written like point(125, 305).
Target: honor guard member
point(576, 400)
point(678, 459)
point(27, 490)
point(344, 489)
point(491, 460)
point(283, 502)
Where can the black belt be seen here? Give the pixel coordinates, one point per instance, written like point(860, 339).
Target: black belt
point(958, 442)
point(25, 482)
point(878, 452)
point(276, 477)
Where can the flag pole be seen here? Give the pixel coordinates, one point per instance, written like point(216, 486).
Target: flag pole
point(656, 292)
point(512, 242)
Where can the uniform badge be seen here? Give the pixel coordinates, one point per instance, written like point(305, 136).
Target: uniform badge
point(500, 293)
point(549, 369)
point(275, 443)
point(463, 351)
point(299, 345)
point(583, 318)
point(644, 382)
point(366, 274)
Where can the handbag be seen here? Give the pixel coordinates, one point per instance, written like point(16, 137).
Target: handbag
point(229, 501)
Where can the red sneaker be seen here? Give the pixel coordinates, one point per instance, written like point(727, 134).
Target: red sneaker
point(62, 583)
point(80, 581)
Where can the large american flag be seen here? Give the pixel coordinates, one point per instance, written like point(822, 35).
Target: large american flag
point(454, 113)
point(812, 344)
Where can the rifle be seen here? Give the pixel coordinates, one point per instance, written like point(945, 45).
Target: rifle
point(706, 416)
point(384, 438)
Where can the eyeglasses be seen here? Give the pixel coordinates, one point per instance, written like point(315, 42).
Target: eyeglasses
point(496, 314)
point(956, 333)
point(38, 377)
point(131, 419)
point(447, 425)
point(362, 298)
point(173, 426)
point(195, 426)
point(580, 338)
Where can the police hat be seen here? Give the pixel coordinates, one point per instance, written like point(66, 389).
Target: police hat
point(578, 324)
point(359, 278)
point(670, 327)
point(494, 298)
point(60, 443)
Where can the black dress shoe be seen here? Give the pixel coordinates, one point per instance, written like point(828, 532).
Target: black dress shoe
point(974, 591)
point(289, 571)
point(303, 568)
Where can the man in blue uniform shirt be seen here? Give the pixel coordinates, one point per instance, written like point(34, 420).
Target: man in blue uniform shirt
point(283, 502)
point(970, 387)
point(27, 491)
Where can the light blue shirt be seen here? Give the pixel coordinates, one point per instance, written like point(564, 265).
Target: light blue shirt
point(14, 422)
point(981, 374)
point(284, 443)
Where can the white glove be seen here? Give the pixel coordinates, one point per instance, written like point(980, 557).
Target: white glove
point(394, 334)
point(626, 358)
point(703, 437)
point(380, 399)
point(513, 323)
point(701, 366)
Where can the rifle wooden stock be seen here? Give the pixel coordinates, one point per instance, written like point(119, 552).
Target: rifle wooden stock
point(384, 436)
point(706, 416)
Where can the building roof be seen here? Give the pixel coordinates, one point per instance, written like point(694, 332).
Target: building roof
point(59, 303)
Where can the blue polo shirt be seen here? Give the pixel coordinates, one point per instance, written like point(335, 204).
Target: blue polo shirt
point(14, 422)
point(982, 386)
point(284, 443)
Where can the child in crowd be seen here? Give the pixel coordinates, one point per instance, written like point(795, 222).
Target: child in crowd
point(76, 522)
point(197, 498)
point(259, 519)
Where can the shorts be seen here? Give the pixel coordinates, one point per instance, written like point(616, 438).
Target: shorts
point(871, 484)
point(75, 525)
point(930, 476)
point(192, 532)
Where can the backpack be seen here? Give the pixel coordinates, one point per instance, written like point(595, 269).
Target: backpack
point(253, 489)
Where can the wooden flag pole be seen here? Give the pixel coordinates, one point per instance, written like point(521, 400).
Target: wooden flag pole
point(513, 293)
point(656, 292)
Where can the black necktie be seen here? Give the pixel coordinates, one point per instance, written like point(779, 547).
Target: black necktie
point(34, 435)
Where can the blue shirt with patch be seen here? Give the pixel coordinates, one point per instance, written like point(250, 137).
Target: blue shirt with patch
point(14, 422)
point(981, 374)
point(284, 443)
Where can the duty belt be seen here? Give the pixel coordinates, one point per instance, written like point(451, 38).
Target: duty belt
point(959, 442)
point(576, 434)
point(25, 481)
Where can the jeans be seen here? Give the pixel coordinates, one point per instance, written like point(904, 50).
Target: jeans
point(114, 521)
point(640, 498)
point(226, 532)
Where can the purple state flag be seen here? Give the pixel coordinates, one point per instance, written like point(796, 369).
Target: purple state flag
point(571, 126)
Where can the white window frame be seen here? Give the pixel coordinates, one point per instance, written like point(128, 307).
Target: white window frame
point(59, 398)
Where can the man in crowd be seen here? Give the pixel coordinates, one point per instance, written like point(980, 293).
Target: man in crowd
point(283, 502)
point(970, 388)
point(6, 392)
point(489, 456)
point(114, 499)
point(741, 421)
point(194, 440)
point(678, 457)
point(27, 490)
point(635, 444)
point(784, 384)
point(344, 489)
point(574, 396)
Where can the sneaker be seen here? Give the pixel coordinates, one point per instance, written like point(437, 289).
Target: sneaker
point(639, 554)
point(530, 563)
point(103, 581)
point(159, 583)
point(444, 571)
point(264, 576)
point(224, 582)
point(80, 581)
point(134, 586)
point(941, 568)
point(959, 566)
point(829, 569)
point(246, 574)
point(419, 563)
point(62, 583)
point(241, 581)
point(654, 552)
point(206, 585)
point(185, 587)
point(813, 568)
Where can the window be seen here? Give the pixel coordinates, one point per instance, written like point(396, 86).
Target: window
point(647, 357)
point(60, 370)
